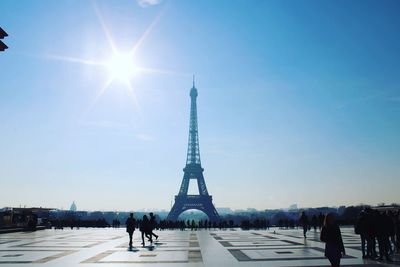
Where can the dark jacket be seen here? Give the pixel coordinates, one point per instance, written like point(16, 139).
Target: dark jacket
point(145, 226)
point(303, 220)
point(361, 227)
point(389, 226)
point(130, 225)
point(333, 238)
point(152, 223)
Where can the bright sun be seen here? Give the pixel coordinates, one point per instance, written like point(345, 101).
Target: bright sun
point(122, 67)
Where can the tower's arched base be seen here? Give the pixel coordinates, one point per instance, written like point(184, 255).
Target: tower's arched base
point(197, 202)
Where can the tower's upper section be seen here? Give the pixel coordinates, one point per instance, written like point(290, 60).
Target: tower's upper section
point(193, 152)
point(193, 91)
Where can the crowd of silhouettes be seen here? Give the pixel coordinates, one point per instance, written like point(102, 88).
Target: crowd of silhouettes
point(245, 224)
point(316, 222)
point(206, 224)
point(379, 229)
point(115, 223)
point(257, 224)
point(189, 224)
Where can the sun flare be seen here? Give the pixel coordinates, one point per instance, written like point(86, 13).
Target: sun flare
point(122, 67)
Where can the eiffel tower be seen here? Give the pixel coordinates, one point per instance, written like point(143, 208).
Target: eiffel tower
point(193, 171)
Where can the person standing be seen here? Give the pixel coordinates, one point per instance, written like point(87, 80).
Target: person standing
point(332, 237)
point(397, 231)
point(384, 230)
point(321, 218)
point(130, 227)
point(370, 233)
point(360, 228)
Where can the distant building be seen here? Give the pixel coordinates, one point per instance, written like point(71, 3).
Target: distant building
point(293, 207)
point(73, 206)
point(23, 217)
point(251, 210)
point(224, 210)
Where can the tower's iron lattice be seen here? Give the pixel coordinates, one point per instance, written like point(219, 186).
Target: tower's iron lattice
point(193, 170)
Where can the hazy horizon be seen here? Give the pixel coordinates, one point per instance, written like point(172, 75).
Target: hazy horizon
point(298, 102)
point(223, 209)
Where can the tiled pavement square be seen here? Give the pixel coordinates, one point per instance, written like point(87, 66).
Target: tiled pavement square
point(99, 247)
point(277, 254)
point(164, 256)
point(31, 256)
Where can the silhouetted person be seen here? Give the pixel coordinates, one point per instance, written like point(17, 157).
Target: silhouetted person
point(330, 234)
point(145, 229)
point(32, 222)
point(304, 222)
point(361, 229)
point(130, 227)
point(369, 233)
point(391, 222)
point(153, 225)
point(383, 233)
point(314, 222)
point(397, 227)
point(321, 219)
point(374, 231)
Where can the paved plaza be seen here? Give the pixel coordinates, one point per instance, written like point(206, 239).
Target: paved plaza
point(102, 247)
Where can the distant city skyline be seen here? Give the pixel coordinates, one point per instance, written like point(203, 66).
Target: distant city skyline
point(298, 102)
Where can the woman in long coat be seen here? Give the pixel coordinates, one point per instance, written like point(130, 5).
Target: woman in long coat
point(330, 234)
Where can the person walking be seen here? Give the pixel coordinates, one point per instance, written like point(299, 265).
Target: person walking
point(130, 227)
point(153, 225)
point(304, 222)
point(145, 229)
point(314, 222)
point(332, 237)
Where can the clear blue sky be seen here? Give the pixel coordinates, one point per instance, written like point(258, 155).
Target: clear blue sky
point(299, 102)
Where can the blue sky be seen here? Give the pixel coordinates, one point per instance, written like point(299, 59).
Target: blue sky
point(299, 102)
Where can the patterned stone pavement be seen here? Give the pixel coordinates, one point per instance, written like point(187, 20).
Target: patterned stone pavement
point(102, 247)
